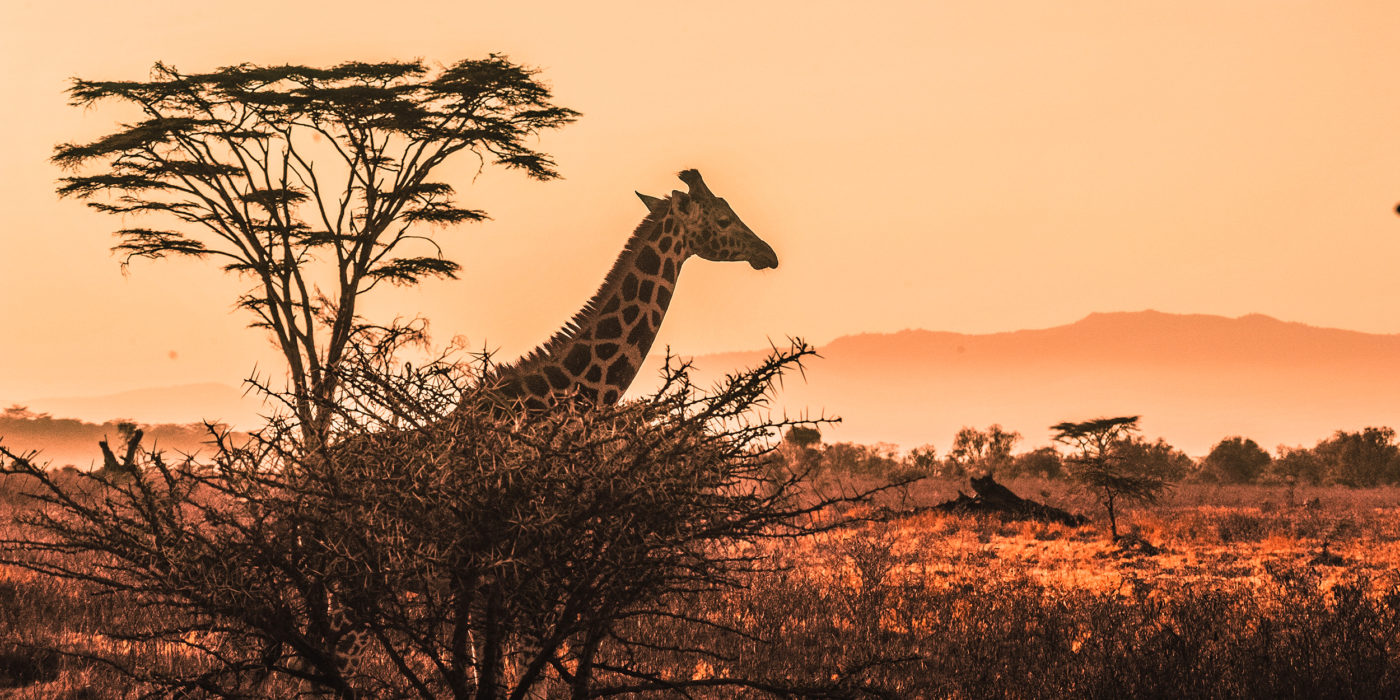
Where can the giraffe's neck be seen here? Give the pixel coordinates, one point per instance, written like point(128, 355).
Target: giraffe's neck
point(599, 352)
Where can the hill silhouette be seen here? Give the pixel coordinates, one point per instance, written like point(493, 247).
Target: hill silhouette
point(185, 403)
point(1194, 378)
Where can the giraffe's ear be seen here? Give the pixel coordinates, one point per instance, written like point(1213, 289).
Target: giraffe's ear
point(653, 203)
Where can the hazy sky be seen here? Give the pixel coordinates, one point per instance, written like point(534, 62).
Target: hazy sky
point(971, 166)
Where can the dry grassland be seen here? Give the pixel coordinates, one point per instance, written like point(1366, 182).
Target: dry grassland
point(1257, 592)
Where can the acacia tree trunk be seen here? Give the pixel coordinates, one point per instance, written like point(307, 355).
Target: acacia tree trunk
point(1112, 515)
point(463, 673)
point(583, 678)
point(491, 657)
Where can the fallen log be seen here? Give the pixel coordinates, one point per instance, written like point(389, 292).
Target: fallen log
point(992, 497)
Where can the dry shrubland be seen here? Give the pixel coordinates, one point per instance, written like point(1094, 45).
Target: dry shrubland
point(1240, 603)
point(667, 546)
point(439, 544)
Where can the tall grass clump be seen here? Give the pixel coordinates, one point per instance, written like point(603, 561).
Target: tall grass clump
point(998, 632)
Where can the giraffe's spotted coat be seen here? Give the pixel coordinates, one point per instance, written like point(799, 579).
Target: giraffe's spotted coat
point(598, 354)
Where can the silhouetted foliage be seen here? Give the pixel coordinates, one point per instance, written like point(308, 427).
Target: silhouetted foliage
point(1043, 462)
point(313, 182)
point(1300, 465)
point(1236, 460)
point(880, 459)
point(1156, 458)
point(869, 605)
point(803, 437)
point(1368, 458)
point(71, 441)
point(800, 450)
point(923, 459)
point(1106, 470)
point(130, 442)
point(484, 553)
point(980, 452)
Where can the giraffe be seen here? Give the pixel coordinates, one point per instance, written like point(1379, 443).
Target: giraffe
point(597, 354)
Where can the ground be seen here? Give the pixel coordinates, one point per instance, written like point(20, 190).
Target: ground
point(1261, 590)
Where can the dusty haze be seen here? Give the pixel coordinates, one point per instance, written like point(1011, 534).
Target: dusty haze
point(1194, 379)
point(974, 167)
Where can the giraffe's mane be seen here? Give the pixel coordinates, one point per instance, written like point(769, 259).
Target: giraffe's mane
point(619, 269)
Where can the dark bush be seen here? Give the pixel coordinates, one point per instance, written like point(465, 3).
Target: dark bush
point(472, 550)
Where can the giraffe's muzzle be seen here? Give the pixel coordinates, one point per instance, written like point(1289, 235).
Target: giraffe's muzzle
point(763, 258)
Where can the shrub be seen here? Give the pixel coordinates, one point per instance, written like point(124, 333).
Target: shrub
point(1236, 460)
point(476, 552)
point(1044, 462)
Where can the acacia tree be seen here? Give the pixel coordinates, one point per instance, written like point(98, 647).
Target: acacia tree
point(1105, 469)
point(312, 182)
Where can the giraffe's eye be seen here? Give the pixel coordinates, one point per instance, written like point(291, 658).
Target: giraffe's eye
point(725, 222)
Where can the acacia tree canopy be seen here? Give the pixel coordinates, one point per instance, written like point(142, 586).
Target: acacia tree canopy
point(1094, 437)
point(1110, 472)
point(269, 169)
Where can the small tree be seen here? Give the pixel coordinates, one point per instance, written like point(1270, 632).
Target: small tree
point(131, 441)
point(1299, 465)
point(312, 182)
point(849, 458)
point(803, 437)
point(1367, 458)
point(1157, 458)
point(975, 450)
point(923, 459)
point(799, 449)
point(1044, 462)
point(1236, 460)
point(1104, 469)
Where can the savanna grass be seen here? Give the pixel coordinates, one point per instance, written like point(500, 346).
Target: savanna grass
point(1237, 605)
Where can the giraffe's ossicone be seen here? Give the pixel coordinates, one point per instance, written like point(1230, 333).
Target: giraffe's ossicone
point(597, 354)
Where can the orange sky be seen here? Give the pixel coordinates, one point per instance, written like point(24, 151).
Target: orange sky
point(967, 166)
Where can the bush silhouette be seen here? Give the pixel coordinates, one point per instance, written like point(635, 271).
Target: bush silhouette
point(484, 553)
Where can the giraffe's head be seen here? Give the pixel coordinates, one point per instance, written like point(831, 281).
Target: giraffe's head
point(708, 227)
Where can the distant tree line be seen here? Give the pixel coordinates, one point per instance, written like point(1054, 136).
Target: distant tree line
point(69, 442)
point(1364, 458)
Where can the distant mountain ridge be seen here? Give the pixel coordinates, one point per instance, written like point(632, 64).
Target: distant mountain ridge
point(1194, 379)
point(184, 403)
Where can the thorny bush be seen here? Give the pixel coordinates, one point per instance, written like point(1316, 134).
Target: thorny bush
point(482, 552)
